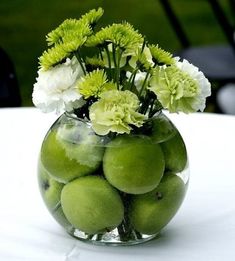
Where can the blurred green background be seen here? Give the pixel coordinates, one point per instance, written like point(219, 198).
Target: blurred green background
point(24, 24)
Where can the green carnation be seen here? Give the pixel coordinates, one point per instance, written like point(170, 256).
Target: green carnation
point(115, 112)
point(175, 89)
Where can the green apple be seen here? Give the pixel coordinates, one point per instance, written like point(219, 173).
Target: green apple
point(59, 216)
point(175, 153)
point(81, 144)
point(162, 128)
point(92, 205)
point(66, 160)
point(50, 189)
point(152, 211)
point(133, 164)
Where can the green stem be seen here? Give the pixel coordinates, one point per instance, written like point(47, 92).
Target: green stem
point(118, 68)
point(147, 101)
point(125, 229)
point(143, 45)
point(109, 61)
point(78, 56)
point(114, 56)
point(143, 85)
point(132, 79)
point(157, 106)
point(101, 55)
point(115, 65)
point(151, 108)
point(145, 106)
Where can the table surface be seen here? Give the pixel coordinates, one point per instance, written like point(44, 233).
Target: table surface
point(203, 229)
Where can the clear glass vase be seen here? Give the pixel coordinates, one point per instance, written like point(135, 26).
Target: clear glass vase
point(114, 189)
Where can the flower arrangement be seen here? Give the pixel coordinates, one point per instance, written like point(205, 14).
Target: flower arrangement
point(123, 81)
point(113, 148)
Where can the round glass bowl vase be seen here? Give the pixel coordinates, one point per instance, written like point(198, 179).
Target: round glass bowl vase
point(114, 189)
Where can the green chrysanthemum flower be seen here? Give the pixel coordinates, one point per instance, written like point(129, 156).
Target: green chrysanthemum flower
point(94, 62)
point(68, 26)
point(72, 43)
point(68, 38)
point(134, 69)
point(142, 62)
point(160, 56)
point(94, 84)
point(115, 112)
point(175, 89)
point(59, 52)
point(79, 28)
point(122, 35)
point(92, 17)
point(142, 59)
point(52, 56)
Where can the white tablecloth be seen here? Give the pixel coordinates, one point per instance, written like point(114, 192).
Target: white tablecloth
point(203, 229)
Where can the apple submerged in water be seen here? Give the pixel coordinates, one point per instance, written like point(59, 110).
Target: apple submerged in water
point(134, 164)
point(50, 189)
point(162, 129)
point(92, 205)
point(175, 153)
point(152, 211)
point(51, 192)
point(59, 158)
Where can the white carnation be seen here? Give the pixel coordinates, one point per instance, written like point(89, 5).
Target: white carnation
point(55, 89)
point(203, 83)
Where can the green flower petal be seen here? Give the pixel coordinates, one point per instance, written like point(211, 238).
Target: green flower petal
point(160, 56)
point(68, 38)
point(115, 112)
point(122, 35)
point(94, 62)
point(175, 89)
point(52, 56)
point(94, 84)
point(80, 28)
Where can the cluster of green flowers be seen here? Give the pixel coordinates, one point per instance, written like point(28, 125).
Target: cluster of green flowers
point(124, 82)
